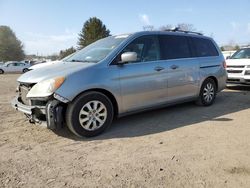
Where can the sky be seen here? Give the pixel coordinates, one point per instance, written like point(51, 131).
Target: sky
point(47, 26)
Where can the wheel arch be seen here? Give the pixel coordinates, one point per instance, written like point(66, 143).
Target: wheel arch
point(107, 94)
point(214, 79)
point(25, 70)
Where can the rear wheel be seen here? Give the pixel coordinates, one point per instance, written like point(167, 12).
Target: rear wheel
point(25, 70)
point(89, 114)
point(1, 71)
point(207, 93)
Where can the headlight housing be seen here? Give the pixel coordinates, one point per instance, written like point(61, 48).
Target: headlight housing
point(45, 88)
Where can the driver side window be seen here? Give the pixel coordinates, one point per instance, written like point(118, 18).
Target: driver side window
point(146, 48)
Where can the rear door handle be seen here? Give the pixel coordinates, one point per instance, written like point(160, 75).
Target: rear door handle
point(159, 69)
point(174, 67)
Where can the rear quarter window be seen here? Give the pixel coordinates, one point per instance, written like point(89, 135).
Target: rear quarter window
point(204, 47)
point(174, 47)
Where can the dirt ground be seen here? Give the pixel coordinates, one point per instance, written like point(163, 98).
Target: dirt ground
point(180, 146)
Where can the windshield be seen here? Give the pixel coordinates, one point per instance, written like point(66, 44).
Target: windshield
point(67, 57)
point(98, 50)
point(241, 54)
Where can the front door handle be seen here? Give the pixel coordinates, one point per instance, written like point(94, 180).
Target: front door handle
point(159, 69)
point(174, 67)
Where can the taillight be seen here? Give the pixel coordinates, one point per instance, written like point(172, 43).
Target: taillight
point(224, 64)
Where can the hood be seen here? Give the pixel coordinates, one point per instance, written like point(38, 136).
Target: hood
point(238, 62)
point(51, 71)
point(40, 65)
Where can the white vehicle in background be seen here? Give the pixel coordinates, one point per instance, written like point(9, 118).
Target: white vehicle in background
point(14, 67)
point(228, 54)
point(40, 65)
point(238, 67)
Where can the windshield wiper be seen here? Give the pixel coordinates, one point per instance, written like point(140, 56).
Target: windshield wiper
point(76, 60)
point(82, 61)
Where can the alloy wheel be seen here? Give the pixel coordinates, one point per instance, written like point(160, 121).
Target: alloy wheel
point(208, 92)
point(93, 115)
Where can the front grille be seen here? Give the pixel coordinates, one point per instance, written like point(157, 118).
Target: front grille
point(247, 72)
point(235, 66)
point(233, 80)
point(23, 93)
point(234, 71)
point(24, 88)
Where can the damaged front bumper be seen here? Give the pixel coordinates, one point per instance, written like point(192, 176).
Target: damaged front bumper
point(52, 113)
point(29, 110)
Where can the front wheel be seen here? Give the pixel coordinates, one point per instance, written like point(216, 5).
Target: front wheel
point(89, 114)
point(207, 93)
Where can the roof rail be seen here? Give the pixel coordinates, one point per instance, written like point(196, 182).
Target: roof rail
point(177, 29)
point(245, 46)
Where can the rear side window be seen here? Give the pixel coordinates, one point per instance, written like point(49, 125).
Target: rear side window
point(204, 47)
point(174, 47)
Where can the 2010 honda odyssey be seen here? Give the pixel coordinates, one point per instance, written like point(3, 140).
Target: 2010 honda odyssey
point(119, 75)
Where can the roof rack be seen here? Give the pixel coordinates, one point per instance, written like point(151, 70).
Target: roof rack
point(177, 29)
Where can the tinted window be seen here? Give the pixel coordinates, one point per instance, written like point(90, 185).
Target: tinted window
point(174, 47)
point(147, 48)
point(204, 47)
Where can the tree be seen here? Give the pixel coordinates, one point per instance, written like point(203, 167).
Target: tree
point(67, 52)
point(93, 30)
point(53, 57)
point(237, 47)
point(148, 28)
point(11, 49)
point(186, 27)
point(166, 27)
point(222, 48)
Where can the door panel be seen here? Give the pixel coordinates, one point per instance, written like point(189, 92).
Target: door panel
point(19, 67)
point(182, 69)
point(183, 78)
point(141, 85)
point(11, 67)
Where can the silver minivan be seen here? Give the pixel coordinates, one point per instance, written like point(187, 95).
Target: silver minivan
point(120, 75)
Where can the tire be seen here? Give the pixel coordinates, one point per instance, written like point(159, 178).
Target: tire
point(207, 93)
point(94, 110)
point(25, 70)
point(1, 71)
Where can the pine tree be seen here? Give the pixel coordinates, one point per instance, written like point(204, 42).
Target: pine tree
point(66, 52)
point(11, 49)
point(93, 30)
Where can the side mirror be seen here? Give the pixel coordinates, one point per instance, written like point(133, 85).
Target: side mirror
point(128, 57)
point(228, 57)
